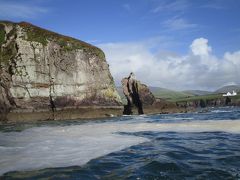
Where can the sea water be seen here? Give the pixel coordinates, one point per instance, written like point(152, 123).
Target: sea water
point(171, 146)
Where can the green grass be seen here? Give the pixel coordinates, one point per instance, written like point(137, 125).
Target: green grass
point(205, 97)
point(167, 94)
point(2, 34)
point(42, 36)
point(10, 51)
point(170, 95)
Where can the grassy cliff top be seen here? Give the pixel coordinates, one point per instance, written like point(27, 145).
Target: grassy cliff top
point(43, 36)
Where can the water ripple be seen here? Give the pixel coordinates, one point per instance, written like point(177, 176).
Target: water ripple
point(176, 146)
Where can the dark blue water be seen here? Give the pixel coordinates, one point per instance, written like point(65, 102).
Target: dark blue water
point(176, 146)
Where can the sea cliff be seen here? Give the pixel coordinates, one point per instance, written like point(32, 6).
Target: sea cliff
point(45, 75)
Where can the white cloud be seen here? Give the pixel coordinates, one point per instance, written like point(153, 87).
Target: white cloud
point(199, 69)
point(200, 47)
point(214, 4)
point(10, 9)
point(166, 5)
point(178, 24)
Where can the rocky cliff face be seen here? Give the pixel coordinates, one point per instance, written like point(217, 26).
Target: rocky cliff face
point(141, 100)
point(40, 69)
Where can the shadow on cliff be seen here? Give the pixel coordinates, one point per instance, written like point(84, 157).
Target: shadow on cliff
point(135, 101)
point(131, 91)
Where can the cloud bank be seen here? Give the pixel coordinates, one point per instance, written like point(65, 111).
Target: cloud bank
point(198, 69)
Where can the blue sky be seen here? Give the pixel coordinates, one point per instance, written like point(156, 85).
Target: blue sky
point(148, 33)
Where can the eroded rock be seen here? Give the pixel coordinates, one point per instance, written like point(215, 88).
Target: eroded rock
point(137, 95)
point(43, 70)
point(140, 97)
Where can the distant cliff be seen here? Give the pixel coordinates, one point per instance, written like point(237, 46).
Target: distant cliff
point(215, 101)
point(44, 71)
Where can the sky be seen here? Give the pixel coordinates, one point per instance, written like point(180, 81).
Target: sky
point(175, 44)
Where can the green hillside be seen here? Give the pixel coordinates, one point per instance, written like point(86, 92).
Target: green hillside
point(189, 95)
point(198, 92)
point(162, 93)
point(168, 94)
point(204, 97)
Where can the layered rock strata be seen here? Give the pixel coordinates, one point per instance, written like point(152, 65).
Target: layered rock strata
point(42, 71)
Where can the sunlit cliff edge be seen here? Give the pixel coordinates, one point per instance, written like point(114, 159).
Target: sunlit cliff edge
point(45, 75)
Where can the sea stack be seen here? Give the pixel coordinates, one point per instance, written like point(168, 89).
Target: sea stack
point(137, 95)
point(141, 100)
point(45, 75)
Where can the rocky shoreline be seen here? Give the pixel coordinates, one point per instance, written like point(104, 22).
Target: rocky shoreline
point(81, 113)
point(213, 102)
point(48, 76)
point(70, 113)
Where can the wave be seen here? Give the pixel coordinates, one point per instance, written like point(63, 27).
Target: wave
point(63, 146)
point(220, 111)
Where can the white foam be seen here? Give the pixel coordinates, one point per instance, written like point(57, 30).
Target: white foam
point(220, 111)
point(43, 147)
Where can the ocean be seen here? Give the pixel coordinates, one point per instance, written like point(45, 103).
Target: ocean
point(200, 145)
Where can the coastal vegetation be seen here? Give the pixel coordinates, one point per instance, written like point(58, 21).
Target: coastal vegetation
point(180, 96)
point(2, 34)
point(67, 43)
point(206, 97)
point(194, 98)
point(169, 95)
